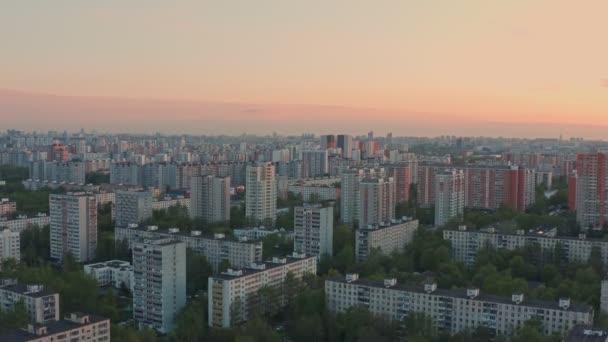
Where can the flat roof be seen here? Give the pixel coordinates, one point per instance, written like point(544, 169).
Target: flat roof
point(22, 289)
point(166, 233)
point(52, 328)
point(462, 294)
point(269, 265)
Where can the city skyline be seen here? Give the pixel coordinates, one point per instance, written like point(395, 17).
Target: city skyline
point(479, 68)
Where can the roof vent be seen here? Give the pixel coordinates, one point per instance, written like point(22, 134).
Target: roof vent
point(350, 277)
point(390, 282)
point(517, 298)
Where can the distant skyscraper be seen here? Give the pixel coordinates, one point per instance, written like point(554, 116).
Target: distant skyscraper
point(73, 226)
point(376, 201)
point(345, 142)
point(591, 190)
point(159, 291)
point(328, 141)
point(132, 207)
point(449, 196)
point(313, 230)
point(402, 175)
point(210, 198)
point(315, 163)
point(261, 193)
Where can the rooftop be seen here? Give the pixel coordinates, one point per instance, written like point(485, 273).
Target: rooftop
point(35, 291)
point(52, 328)
point(193, 234)
point(257, 268)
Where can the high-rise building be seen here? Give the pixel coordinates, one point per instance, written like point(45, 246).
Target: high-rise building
point(73, 226)
point(9, 245)
point(315, 163)
point(132, 207)
point(313, 230)
point(7, 207)
point(402, 175)
point(159, 291)
point(591, 189)
point(261, 193)
point(449, 196)
point(454, 310)
point(376, 201)
point(328, 141)
point(210, 198)
point(349, 195)
point(345, 143)
point(387, 237)
point(232, 294)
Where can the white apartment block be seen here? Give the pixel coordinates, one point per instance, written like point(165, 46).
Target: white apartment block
point(41, 305)
point(449, 196)
point(377, 200)
point(386, 237)
point(159, 291)
point(132, 207)
point(454, 310)
point(210, 198)
point(73, 226)
point(216, 248)
point(171, 202)
point(23, 222)
point(231, 293)
point(466, 244)
point(258, 233)
point(114, 273)
point(261, 193)
point(9, 245)
point(76, 327)
point(313, 229)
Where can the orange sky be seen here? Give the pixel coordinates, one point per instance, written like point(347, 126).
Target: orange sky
point(462, 63)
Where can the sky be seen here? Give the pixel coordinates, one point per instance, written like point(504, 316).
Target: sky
point(424, 67)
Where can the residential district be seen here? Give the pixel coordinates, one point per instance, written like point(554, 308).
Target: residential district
point(126, 237)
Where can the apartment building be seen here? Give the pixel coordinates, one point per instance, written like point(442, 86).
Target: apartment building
point(232, 294)
point(168, 202)
point(41, 305)
point(7, 207)
point(159, 290)
point(132, 207)
point(22, 222)
point(113, 273)
point(10, 245)
point(313, 230)
point(323, 189)
point(210, 198)
point(314, 163)
point(386, 237)
point(591, 189)
point(449, 196)
point(58, 171)
point(349, 196)
point(216, 248)
point(377, 200)
point(467, 243)
point(402, 174)
point(73, 226)
point(454, 310)
point(261, 194)
point(76, 327)
point(258, 233)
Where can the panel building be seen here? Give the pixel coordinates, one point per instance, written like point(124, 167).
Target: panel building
point(210, 198)
point(76, 327)
point(313, 230)
point(454, 310)
point(10, 245)
point(449, 196)
point(591, 190)
point(261, 194)
point(132, 207)
point(233, 294)
point(73, 226)
point(376, 201)
point(386, 237)
point(349, 196)
point(114, 273)
point(41, 305)
point(345, 143)
point(159, 290)
point(314, 163)
point(217, 248)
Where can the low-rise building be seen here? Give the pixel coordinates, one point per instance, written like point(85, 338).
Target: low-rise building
point(386, 237)
point(216, 248)
point(454, 310)
point(114, 273)
point(76, 327)
point(23, 222)
point(232, 294)
point(41, 305)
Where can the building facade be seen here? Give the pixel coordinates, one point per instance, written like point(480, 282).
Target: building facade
point(73, 226)
point(132, 207)
point(114, 273)
point(210, 198)
point(387, 237)
point(377, 201)
point(159, 290)
point(233, 294)
point(10, 245)
point(591, 190)
point(261, 194)
point(449, 196)
point(313, 230)
point(41, 305)
point(76, 327)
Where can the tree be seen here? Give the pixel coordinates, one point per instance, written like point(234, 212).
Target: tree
point(198, 271)
point(191, 323)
